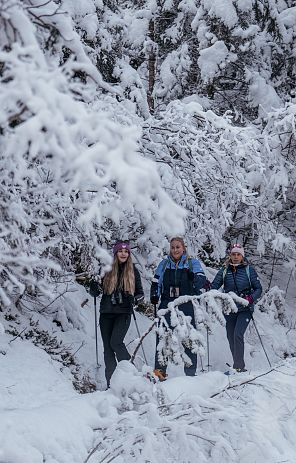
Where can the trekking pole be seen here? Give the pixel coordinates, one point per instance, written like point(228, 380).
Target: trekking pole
point(96, 330)
point(261, 341)
point(138, 331)
point(208, 349)
point(201, 364)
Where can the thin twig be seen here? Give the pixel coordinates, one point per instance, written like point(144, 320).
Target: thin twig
point(141, 341)
point(17, 335)
point(81, 345)
point(244, 382)
point(290, 276)
point(58, 296)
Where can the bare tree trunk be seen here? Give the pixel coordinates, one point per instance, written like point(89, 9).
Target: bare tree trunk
point(151, 67)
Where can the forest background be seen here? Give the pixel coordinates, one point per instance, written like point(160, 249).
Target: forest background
point(111, 110)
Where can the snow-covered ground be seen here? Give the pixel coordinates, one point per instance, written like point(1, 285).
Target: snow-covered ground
point(247, 418)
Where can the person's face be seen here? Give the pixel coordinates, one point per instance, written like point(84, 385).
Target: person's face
point(236, 258)
point(122, 255)
point(176, 250)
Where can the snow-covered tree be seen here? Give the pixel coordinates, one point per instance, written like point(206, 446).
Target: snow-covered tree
point(71, 176)
point(77, 77)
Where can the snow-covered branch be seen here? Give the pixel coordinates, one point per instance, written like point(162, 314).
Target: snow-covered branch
point(176, 332)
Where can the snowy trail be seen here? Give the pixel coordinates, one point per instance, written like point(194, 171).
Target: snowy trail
point(267, 407)
point(44, 420)
point(266, 402)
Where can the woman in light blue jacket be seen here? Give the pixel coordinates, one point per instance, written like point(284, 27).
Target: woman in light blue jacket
point(177, 275)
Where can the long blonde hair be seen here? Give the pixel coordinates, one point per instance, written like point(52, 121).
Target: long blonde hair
point(125, 282)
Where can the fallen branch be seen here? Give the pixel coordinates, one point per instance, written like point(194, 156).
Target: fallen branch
point(233, 386)
point(141, 341)
point(55, 299)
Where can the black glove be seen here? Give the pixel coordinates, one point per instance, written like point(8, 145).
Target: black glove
point(139, 299)
point(190, 275)
point(131, 299)
point(154, 293)
point(94, 289)
point(154, 299)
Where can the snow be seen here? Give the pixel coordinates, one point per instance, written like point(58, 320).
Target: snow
point(251, 419)
point(213, 58)
point(289, 16)
point(41, 414)
point(222, 9)
point(83, 161)
point(244, 5)
point(263, 94)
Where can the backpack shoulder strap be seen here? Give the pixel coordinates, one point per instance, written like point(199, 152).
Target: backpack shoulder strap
point(190, 264)
point(224, 273)
point(163, 267)
point(248, 275)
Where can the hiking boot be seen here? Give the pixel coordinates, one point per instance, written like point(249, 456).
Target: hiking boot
point(234, 371)
point(160, 374)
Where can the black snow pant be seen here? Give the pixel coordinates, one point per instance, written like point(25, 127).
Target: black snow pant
point(236, 325)
point(188, 370)
point(113, 330)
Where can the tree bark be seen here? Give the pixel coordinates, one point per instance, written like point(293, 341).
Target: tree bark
point(151, 67)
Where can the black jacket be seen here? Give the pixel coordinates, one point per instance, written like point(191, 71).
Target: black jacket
point(119, 301)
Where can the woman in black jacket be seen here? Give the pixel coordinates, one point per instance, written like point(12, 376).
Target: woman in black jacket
point(121, 288)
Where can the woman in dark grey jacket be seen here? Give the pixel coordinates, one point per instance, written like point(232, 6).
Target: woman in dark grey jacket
point(121, 288)
point(240, 278)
